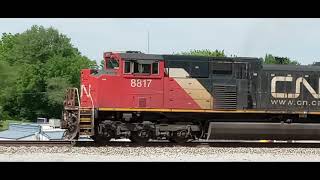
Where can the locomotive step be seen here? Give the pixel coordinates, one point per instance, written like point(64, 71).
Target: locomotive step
point(87, 114)
point(86, 133)
point(85, 120)
point(86, 129)
point(86, 111)
point(85, 108)
point(85, 126)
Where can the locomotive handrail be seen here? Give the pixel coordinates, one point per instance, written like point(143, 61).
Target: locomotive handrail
point(92, 107)
point(78, 97)
point(92, 122)
point(92, 104)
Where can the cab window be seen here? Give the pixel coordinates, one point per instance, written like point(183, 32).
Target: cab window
point(112, 64)
point(141, 67)
point(127, 67)
point(155, 68)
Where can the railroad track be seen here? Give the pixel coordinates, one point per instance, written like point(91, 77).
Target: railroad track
point(230, 144)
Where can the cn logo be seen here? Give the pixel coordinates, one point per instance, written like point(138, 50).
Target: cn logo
point(85, 90)
point(298, 83)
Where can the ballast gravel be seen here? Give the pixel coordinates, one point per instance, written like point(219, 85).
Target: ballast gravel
point(155, 154)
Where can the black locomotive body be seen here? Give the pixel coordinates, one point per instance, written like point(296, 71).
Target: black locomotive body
point(270, 88)
point(291, 88)
point(255, 101)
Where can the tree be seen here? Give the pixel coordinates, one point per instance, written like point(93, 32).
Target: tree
point(8, 73)
point(56, 87)
point(47, 64)
point(206, 52)
point(8, 76)
point(101, 64)
point(270, 59)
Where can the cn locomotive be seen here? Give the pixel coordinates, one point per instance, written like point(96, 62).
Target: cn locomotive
point(181, 98)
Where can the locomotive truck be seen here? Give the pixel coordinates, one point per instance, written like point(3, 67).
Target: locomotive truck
point(181, 98)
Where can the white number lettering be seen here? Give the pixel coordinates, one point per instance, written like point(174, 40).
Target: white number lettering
point(144, 83)
point(140, 83)
point(133, 83)
point(149, 82)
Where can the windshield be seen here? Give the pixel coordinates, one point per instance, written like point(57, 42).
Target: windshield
point(113, 64)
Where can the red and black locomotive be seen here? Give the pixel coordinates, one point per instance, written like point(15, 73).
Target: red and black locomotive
point(176, 97)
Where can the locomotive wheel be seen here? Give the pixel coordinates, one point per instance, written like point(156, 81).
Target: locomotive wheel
point(141, 136)
point(197, 135)
point(179, 137)
point(108, 135)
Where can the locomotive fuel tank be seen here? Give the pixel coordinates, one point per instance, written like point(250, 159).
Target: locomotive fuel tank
point(263, 131)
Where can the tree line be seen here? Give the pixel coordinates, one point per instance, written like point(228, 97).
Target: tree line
point(37, 65)
point(268, 59)
point(36, 68)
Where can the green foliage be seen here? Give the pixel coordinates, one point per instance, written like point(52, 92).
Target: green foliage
point(270, 59)
point(54, 90)
point(40, 64)
point(8, 77)
point(101, 64)
point(68, 67)
point(6, 44)
point(206, 52)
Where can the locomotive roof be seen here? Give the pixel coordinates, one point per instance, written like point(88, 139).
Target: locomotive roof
point(282, 67)
point(141, 56)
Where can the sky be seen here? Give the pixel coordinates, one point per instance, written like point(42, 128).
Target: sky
point(298, 39)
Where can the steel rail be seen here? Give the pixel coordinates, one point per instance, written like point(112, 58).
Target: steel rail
point(226, 144)
point(229, 144)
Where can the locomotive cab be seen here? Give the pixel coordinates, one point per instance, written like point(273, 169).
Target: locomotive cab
point(131, 66)
point(127, 80)
point(142, 82)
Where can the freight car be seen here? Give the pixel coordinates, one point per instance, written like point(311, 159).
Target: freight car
point(179, 98)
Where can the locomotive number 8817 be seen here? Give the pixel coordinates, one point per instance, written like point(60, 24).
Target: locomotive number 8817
point(181, 98)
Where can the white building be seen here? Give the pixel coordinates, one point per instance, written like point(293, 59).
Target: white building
point(36, 132)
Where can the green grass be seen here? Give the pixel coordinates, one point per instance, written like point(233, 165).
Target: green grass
point(5, 124)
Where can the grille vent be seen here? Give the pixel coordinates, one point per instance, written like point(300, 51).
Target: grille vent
point(225, 97)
